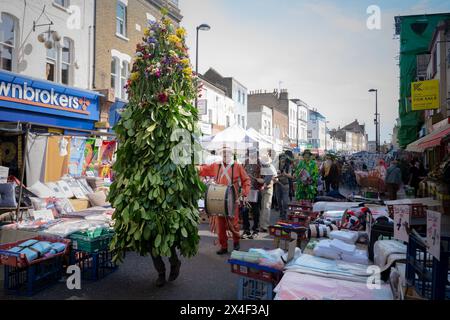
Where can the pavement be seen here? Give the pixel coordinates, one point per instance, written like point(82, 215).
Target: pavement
point(206, 276)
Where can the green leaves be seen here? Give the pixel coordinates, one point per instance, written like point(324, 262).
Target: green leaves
point(155, 199)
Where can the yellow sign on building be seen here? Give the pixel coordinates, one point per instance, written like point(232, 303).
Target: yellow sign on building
point(425, 95)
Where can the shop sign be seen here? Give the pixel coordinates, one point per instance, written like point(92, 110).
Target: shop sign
point(40, 96)
point(425, 95)
point(25, 94)
point(206, 128)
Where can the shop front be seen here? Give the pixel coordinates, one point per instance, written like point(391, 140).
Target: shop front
point(50, 128)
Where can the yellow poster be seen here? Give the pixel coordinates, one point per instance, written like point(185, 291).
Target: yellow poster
point(425, 95)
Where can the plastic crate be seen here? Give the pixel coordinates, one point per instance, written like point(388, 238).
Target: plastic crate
point(284, 232)
point(19, 260)
point(255, 271)
point(27, 281)
point(87, 244)
point(428, 275)
point(251, 289)
point(93, 266)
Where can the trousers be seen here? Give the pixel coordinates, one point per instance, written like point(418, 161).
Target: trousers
point(256, 210)
point(267, 195)
point(222, 227)
point(159, 263)
point(284, 197)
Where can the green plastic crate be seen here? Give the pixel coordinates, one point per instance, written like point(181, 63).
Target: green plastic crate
point(82, 242)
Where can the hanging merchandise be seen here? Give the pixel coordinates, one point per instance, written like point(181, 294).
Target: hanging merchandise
point(35, 160)
point(90, 156)
point(77, 153)
point(63, 147)
point(56, 166)
point(106, 158)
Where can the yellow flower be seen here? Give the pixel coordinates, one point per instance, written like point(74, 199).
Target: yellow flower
point(185, 62)
point(187, 71)
point(181, 32)
point(134, 76)
point(174, 39)
point(146, 32)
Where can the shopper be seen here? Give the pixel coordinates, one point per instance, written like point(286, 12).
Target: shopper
point(285, 178)
point(253, 168)
point(393, 180)
point(307, 175)
point(414, 176)
point(268, 173)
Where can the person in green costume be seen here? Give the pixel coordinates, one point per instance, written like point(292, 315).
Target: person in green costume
point(307, 176)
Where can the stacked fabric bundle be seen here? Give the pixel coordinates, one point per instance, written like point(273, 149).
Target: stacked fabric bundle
point(339, 250)
point(346, 236)
point(34, 249)
point(269, 258)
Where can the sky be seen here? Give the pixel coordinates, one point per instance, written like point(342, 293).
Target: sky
point(322, 52)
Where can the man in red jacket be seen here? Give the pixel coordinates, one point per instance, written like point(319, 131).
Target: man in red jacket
point(228, 173)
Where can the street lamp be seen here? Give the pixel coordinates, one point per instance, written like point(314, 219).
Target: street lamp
point(376, 121)
point(202, 27)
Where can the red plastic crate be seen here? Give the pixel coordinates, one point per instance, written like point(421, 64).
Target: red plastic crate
point(285, 232)
point(19, 260)
point(255, 271)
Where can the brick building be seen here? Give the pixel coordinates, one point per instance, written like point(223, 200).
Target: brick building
point(119, 28)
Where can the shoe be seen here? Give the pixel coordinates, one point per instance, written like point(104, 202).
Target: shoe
point(264, 230)
point(222, 252)
point(175, 271)
point(236, 247)
point(255, 234)
point(246, 235)
point(161, 281)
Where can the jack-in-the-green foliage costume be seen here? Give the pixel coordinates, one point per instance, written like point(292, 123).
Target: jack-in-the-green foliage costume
point(307, 190)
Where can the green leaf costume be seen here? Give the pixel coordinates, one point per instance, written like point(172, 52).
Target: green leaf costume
point(156, 196)
point(307, 191)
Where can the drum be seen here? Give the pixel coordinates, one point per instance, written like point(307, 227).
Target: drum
point(220, 200)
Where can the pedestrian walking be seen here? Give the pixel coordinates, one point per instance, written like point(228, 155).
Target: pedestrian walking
point(268, 173)
point(307, 175)
point(253, 168)
point(393, 180)
point(285, 177)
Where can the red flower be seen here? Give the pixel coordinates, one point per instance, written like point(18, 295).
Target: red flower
point(163, 97)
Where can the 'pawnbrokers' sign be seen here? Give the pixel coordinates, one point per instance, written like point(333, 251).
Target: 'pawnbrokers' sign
point(425, 95)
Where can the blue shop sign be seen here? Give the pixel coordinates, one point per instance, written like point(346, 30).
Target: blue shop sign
point(30, 100)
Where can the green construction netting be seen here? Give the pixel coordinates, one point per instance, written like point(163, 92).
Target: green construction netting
point(415, 37)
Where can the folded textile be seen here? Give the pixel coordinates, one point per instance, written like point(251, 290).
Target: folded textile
point(42, 246)
point(384, 249)
point(57, 247)
point(297, 286)
point(30, 254)
point(68, 227)
point(358, 256)
point(346, 236)
point(246, 256)
point(28, 243)
point(343, 247)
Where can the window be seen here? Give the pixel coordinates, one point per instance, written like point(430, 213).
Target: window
point(434, 71)
point(239, 95)
point(243, 121)
point(52, 56)
point(121, 19)
point(124, 73)
point(114, 64)
point(66, 61)
point(62, 3)
point(210, 116)
point(228, 121)
point(7, 41)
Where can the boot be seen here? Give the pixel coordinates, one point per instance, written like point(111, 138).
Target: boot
point(174, 271)
point(237, 247)
point(161, 281)
point(222, 251)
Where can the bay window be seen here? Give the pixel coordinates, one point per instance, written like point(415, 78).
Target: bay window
point(8, 33)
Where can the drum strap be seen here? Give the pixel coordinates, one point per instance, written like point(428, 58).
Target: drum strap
point(225, 173)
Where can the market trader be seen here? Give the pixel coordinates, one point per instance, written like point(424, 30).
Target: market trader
point(224, 173)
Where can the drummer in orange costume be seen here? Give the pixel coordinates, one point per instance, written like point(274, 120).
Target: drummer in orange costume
point(227, 173)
